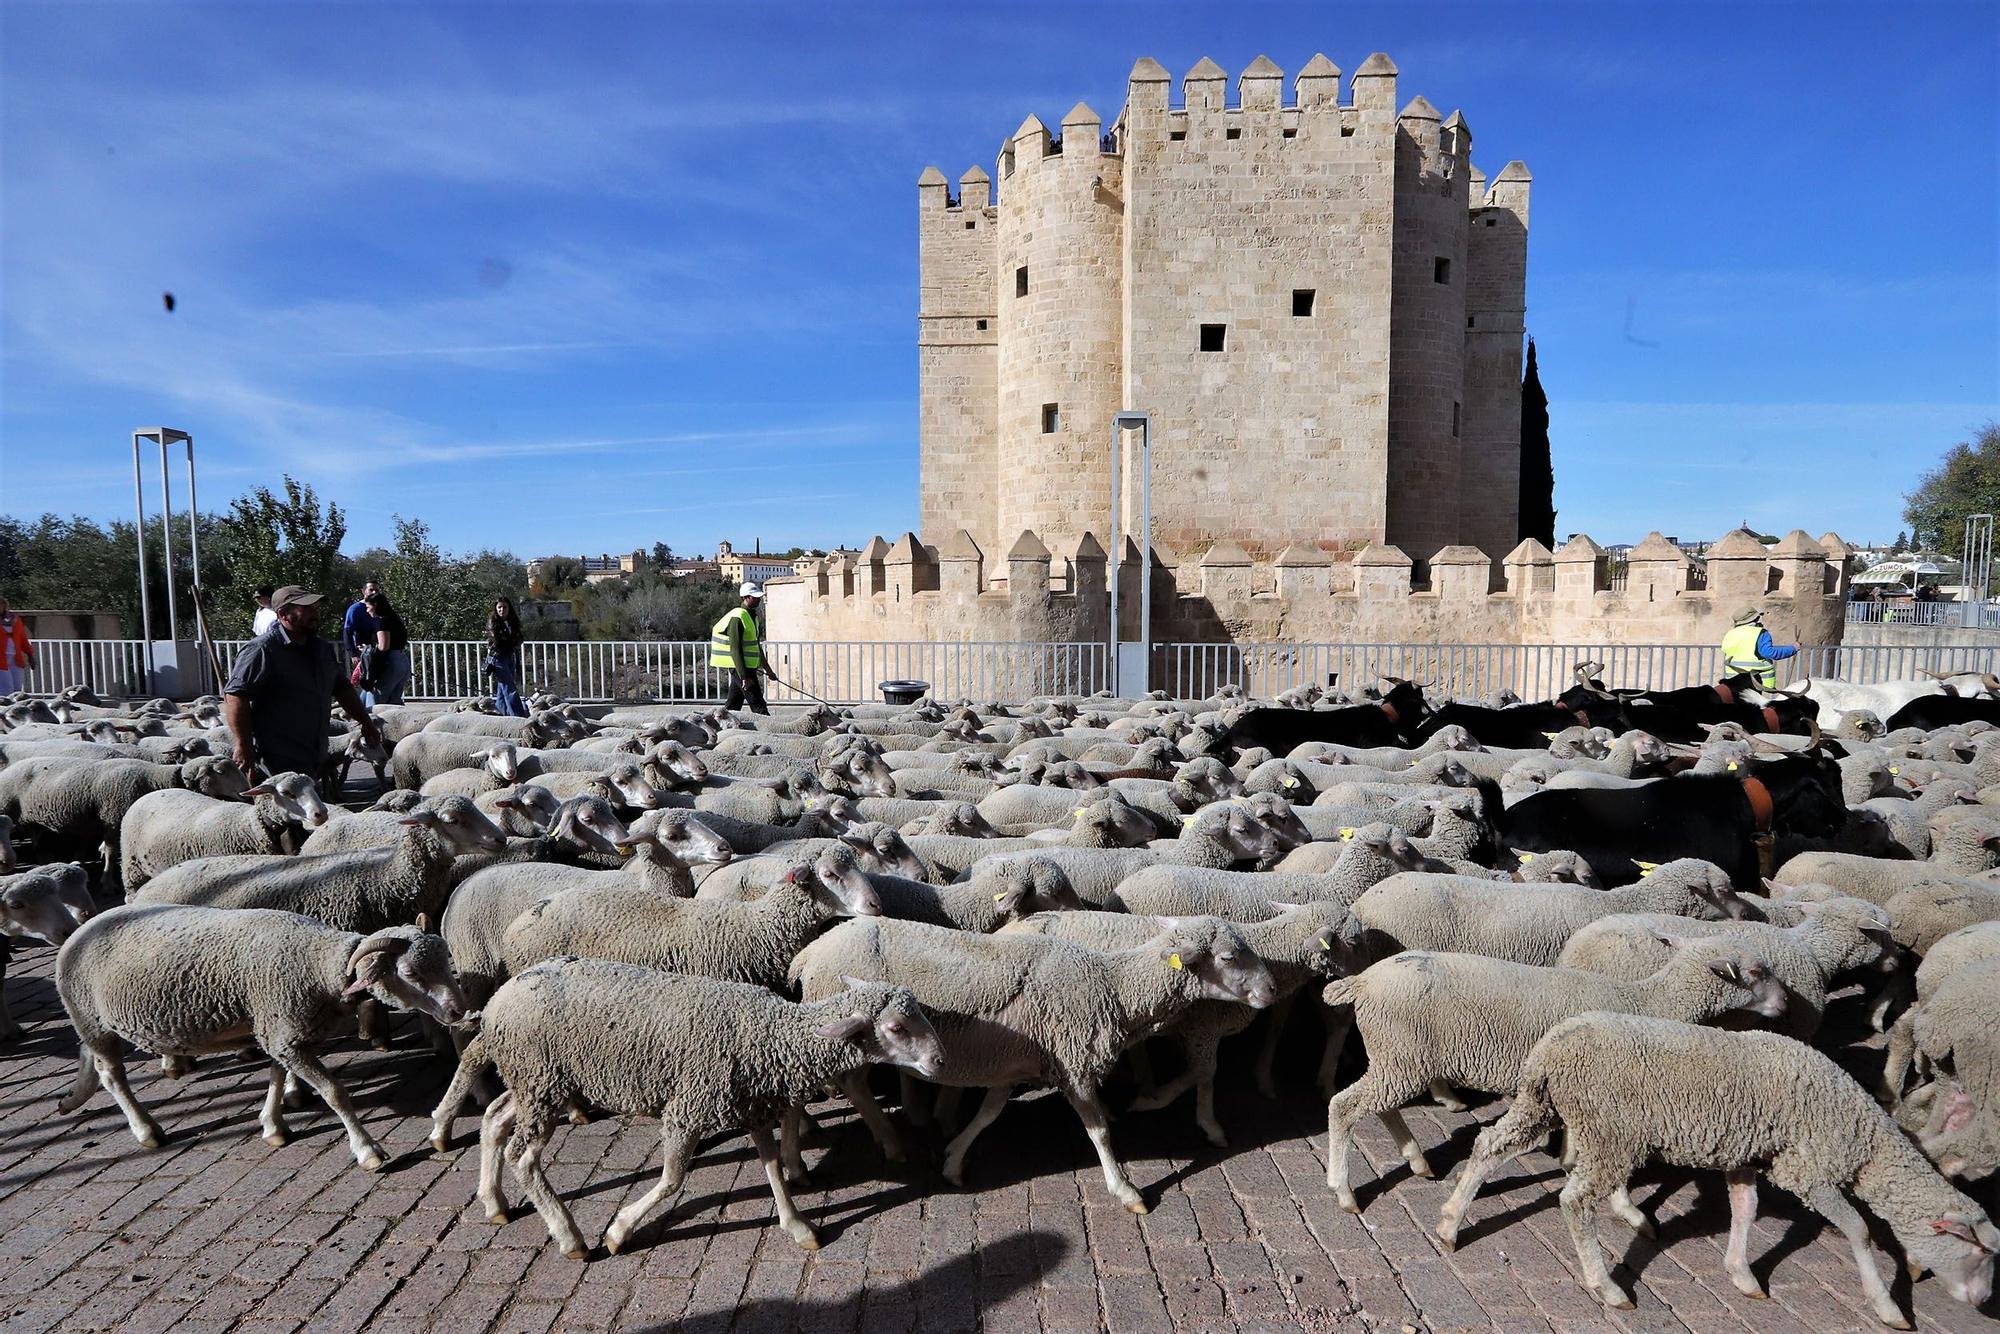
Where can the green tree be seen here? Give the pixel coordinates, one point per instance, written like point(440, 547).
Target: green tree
point(276, 540)
point(1967, 482)
point(663, 557)
point(1902, 542)
point(1538, 475)
point(420, 583)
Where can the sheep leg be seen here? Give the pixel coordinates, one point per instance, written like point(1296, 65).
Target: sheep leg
point(989, 1108)
point(1580, 1198)
point(369, 1025)
point(790, 1133)
point(1504, 1140)
point(946, 1109)
point(1631, 1214)
point(1337, 1025)
point(1899, 990)
point(495, 1128)
point(1830, 1204)
point(1406, 1144)
point(1267, 1054)
point(795, 1227)
point(1896, 1064)
point(1442, 1095)
point(855, 1086)
point(1370, 1093)
point(307, 1067)
point(295, 1091)
point(85, 1084)
point(462, 1079)
point(676, 1147)
point(111, 1069)
point(535, 1183)
point(9, 1030)
point(1098, 1126)
point(272, 1118)
point(1742, 1213)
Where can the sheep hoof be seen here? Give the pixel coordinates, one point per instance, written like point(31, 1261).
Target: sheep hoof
point(955, 1176)
point(497, 1217)
point(371, 1161)
point(1899, 1323)
point(441, 1143)
point(149, 1139)
point(1447, 1237)
point(66, 1104)
point(1421, 1167)
point(804, 1236)
point(1267, 1089)
point(1644, 1227)
point(1137, 1207)
point(1215, 1136)
point(612, 1242)
point(277, 1139)
point(1349, 1203)
point(1750, 1287)
point(574, 1253)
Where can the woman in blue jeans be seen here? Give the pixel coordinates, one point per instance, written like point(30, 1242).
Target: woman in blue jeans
point(503, 657)
point(391, 667)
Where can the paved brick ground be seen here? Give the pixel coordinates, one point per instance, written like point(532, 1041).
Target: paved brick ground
point(218, 1231)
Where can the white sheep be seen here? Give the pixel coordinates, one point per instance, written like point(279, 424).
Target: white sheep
point(47, 904)
point(1024, 1009)
point(1438, 1021)
point(1629, 1088)
point(1962, 948)
point(183, 980)
point(700, 1055)
point(164, 829)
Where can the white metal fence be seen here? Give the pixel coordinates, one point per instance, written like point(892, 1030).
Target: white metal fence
point(1985, 614)
point(847, 672)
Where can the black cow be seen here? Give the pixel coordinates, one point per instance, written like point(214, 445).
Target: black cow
point(1928, 711)
point(1669, 722)
point(1391, 722)
point(1712, 816)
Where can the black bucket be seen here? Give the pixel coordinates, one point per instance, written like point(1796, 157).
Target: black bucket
point(904, 692)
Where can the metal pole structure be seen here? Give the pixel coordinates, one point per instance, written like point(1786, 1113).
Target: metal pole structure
point(145, 602)
point(1120, 423)
point(167, 540)
point(1979, 550)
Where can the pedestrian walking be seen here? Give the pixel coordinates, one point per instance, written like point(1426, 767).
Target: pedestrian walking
point(357, 631)
point(281, 689)
point(736, 644)
point(265, 617)
point(503, 658)
point(1748, 648)
point(17, 654)
point(389, 662)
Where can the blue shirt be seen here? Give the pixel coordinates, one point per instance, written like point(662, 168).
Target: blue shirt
point(357, 629)
point(1771, 652)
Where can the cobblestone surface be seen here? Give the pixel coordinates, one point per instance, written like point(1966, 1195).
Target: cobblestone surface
point(219, 1231)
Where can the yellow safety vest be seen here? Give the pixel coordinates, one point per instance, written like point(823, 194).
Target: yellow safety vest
point(737, 627)
point(1739, 654)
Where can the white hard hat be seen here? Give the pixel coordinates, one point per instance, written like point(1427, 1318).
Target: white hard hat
point(751, 591)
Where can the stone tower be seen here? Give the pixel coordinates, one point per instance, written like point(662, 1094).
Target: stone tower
point(1321, 305)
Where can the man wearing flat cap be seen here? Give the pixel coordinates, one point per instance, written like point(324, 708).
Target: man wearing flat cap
point(282, 688)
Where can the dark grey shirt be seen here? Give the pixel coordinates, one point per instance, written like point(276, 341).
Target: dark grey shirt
point(290, 689)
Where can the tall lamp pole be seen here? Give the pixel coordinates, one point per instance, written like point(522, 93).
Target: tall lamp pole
point(1120, 423)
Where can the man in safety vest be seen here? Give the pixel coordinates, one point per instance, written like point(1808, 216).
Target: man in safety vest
point(736, 644)
point(1748, 648)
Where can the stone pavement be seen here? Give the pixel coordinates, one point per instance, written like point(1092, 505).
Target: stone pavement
point(219, 1231)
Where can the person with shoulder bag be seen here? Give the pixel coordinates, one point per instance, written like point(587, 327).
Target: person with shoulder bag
point(386, 665)
point(503, 658)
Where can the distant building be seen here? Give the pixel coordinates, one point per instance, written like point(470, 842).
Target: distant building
point(596, 569)
point(738, 567)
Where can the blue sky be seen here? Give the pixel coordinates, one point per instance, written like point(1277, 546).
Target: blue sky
point(589, 276)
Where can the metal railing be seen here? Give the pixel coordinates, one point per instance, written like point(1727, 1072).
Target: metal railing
point(1922, 613)
point(1532, 671)
point(850, 672)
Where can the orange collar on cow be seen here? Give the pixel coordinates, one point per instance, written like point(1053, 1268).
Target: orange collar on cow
point(1725, 693)
point(1389, 711)
point(1759, 798)
point(1771, 718)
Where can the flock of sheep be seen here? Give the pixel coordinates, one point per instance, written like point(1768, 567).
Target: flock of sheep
point(719, 920)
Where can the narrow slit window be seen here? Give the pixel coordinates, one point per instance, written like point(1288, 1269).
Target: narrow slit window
point(1213, 337)
point(970, 224)
point(1471, 320)
point(1232, 133)
point(1176, 135)
point(1454, 421)
point(1051, 419)
point(1493, 222)
point(1347, 131)
point(1302, 302)
point(1021, 281)
point(979, 324)
point(1290, 132)
point(1440, 270)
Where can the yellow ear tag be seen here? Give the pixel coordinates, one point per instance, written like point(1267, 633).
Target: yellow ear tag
point(1293, 782)
point(1347, 836)
point(1325, 944)
point(1078, 812)
point(1188, 820)
point(1525, 857)
point(1732, 766)
point(1175, 961)
point(1552, 735)
point(1894, 770)
point(999, 896)
point(1645, 868)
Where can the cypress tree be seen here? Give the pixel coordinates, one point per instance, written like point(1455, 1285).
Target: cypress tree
point(1538, 476)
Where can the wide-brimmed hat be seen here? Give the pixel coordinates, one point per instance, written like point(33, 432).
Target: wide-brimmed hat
point(1747, 615)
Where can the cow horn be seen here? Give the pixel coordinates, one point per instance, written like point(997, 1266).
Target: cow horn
point(1992, 681)
point(1818, 739)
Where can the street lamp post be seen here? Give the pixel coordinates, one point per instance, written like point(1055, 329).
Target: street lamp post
point(1129, 673)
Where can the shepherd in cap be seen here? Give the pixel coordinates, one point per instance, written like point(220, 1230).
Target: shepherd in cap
point(736, 644)
point(1748, 648)
point(282, 688)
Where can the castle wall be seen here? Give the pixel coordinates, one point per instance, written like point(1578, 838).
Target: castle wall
point(958, 367)
point(1059, 338)
point(1229, 210)
point(1496, 265)
point(1426, 336)
point(1532, 596)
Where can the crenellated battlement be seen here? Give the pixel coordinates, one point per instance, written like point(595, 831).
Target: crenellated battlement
point(1657, 593)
